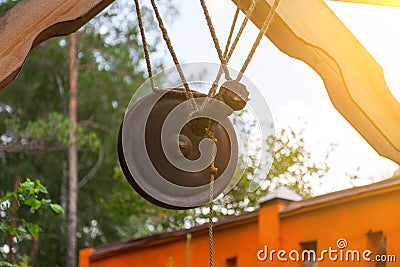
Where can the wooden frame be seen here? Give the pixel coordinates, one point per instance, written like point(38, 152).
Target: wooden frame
point(304, 29)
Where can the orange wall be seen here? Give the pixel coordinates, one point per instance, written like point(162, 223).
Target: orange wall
point(269, 231)
point(350, 219)
point(228, 243)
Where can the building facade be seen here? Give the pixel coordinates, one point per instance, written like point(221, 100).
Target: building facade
point(354, 227)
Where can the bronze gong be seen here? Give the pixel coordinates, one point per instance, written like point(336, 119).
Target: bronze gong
point(148, 169)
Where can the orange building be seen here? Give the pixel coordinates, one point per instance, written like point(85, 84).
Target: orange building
point(354, 227)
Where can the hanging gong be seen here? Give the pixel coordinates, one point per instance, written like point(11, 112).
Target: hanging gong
point(165, 157)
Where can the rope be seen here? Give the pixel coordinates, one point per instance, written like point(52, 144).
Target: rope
point(249, 14)
point(144, 43)
point(229, 51)
point(189, 94)
point(263, 30)
point(214, 86)
point(233, 25)
point(210, 222)
point(213, 172)
point(215, 40)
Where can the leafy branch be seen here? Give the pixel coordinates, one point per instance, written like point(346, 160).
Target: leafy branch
point(49, 133)
point(29, 194)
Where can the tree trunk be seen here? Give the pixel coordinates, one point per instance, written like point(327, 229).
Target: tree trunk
point(72, 158)
point(13, 221)
point(35, 247)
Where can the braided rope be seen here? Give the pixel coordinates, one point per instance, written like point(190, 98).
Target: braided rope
point(214, 86)
point(229, 51)
point(233, 25)
point(144, 43)
point(210, 222)
point(249, 14)
point(189, 94)
point(263, 30)
point(215, 40)
point(213, 172)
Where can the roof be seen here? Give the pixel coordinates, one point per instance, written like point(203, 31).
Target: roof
point(282, 193)
point(387, 185)
point(152, 240)
point(292, 208)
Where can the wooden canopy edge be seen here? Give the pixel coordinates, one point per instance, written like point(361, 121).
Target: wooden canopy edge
point(31, 22)
point(309, 31)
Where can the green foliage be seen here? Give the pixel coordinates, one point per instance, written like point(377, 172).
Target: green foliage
point(50, 132)
point(111, 67)
point(5, 264)
point(30, 195)
point(133, 216)
point(25, 262)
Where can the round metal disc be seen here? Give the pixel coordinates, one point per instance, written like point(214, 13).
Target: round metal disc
point(152, 160)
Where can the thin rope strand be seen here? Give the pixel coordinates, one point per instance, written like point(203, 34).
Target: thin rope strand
point(210, 222)
point(229, 51)
point(263, 30)
point(144, 43)
point(189, 94)
point(215, 40)
point(213, 171)
point(214, 85)
point(249, 14)
point(233, 26)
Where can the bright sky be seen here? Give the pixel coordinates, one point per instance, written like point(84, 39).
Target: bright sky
point(294, 91)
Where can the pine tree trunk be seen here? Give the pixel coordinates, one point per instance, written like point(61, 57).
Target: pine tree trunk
point(72, 158)
point(13, 221)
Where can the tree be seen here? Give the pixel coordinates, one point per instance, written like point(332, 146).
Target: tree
point(110, 64)
point(72, 217)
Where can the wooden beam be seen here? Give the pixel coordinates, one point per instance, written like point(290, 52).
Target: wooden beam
point(309, 31)
point(31, 22)
point(390, 3)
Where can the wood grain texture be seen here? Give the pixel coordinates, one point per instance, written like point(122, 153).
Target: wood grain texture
point(309, 31)
point(31, 22)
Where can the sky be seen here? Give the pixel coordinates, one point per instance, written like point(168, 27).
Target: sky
point(295, 93)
